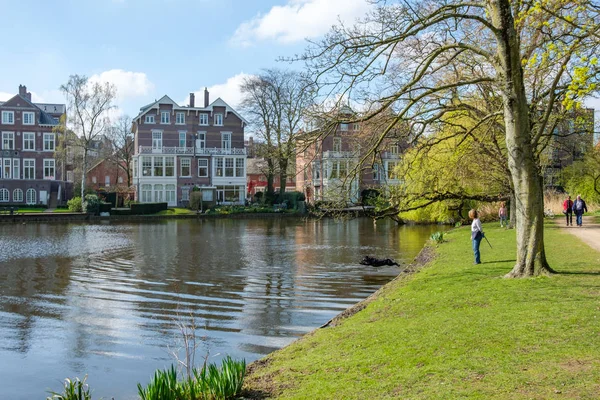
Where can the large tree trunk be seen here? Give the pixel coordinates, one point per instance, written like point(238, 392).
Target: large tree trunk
point(283, 164)
point(527, 183)
point(512, 222)
point(83, 174)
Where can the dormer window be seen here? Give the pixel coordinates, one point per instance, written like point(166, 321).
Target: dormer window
point(219, 119)
point(150, 119)
point(165, 117)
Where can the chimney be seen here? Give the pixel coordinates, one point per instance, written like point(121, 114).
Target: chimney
point(23, 90)
point(206, 97)
point(192, 100)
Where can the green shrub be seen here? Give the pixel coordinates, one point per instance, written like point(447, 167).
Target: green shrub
point(195, 200)
point(437, 237)
point(73, 390)
point(91, 205)
point(147, 208)
point(163, 386)
point(75, 204)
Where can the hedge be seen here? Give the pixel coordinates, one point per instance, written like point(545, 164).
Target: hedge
point(147, 208)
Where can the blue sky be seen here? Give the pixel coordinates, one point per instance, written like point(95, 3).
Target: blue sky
point(149, 48)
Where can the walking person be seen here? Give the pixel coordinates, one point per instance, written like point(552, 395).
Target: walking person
point(568, 210)
point(476, 234)
point(503, 214)
point(579, 207)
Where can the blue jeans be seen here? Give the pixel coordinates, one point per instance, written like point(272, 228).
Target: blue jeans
point(579, 218)
point(476, 243)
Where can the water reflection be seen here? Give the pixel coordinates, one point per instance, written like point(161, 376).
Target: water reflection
point(103, 299)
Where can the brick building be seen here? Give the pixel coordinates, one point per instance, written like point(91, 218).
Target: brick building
point(30, 171)
point(178, 148)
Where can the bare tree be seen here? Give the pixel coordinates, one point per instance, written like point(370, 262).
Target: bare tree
point(425, 59)
point(122, 144)
point(89, 103)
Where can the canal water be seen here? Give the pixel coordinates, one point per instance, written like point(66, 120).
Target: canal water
point(105, 299)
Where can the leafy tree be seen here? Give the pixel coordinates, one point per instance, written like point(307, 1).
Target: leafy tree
point(530, 60)
point(122, 143)
point(583, 177)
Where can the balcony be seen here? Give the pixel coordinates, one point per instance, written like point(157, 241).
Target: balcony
point(339, 154)
point(215, 151)
point(388, 155)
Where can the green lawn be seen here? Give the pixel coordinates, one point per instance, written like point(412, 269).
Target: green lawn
point(457, 330)
point(176, 211)
point(30, 210)
point(63, 210)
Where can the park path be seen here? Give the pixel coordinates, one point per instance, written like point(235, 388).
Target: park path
point(589, 233)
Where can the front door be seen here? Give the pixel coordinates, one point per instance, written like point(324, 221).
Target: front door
point(220, 196)
point(44, 197)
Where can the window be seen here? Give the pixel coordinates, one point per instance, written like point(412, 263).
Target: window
point(107, 180)
point(219, 119)
point(170, 194)
point(219, 166)
point(239, 167)
point(16, 169)
point(356, 126)
point(158, 166)
point(30, 196)
point(17, 195)
point(226, 140)
point(4, 195)
point(8, 117)
point(6, 168)
point(394, 149)
point(185, 194)
point(229, 167)
point(28, 141)
point(146, 193)
point(135, 168)
point(169, 166)
point(70, 176)
point(391, 170)
point(180, 118)
point(344, 127)
point(8, 140)
point(94, 180)
point(185, 165)
point(150, 119)
point(201, 141)
point(156, 140)
point(203, 119)
point(207, 195)
point(120, 179)
point(316, 170)
point(182, 140)
point(146, 166)
point(48, 141)
point(202, 168)
point(29, 168)
point(376, 172)
point(337, 144)
point(49, 169)
point(28, 118)
point(158, 193)
point(165, 117)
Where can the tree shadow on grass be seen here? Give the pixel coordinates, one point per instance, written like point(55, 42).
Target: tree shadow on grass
point(591, 273)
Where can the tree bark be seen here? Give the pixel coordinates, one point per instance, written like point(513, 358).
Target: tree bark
point(83, 174)
point(527, 182)
point(283, 164)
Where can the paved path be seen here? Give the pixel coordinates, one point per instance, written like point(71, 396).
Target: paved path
point(588, 233)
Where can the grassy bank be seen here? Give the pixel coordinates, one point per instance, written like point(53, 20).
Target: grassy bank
point(458, 330)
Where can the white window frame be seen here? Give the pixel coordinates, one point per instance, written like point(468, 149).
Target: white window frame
point(30, 196)
point(201, 140)
point(169, 162)
point(4, 195)
point(8, 136)
point(185, 194)
point(29, 115)
point(187, 161)
point(146, 193)
point(107, 180)
point(7, 168)
point(53, 141)
point(395, 149)
point(159, 192)
point(146, 165)
point(218, 119)
point(8, 117)
point(344, 127)
point(16, 168)
point(51, 164)
point(239, 170)
point(150, 119)
point(203, 163)
point(70, 176)
point(157, 140)
point(171, 193)
point(94, 179)
point(180, 118)
point(203, 119)
point(182, 139)
point(337, 144)
point(226, 140)
point(30, 140)
point(29, 167)
point(18, 196)
point(165, 117)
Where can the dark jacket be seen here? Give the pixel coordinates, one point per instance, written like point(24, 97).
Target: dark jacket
point(581, 209)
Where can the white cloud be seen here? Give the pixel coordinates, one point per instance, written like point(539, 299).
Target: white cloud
point(229, 91)
point(298, 20)
point(129, 84)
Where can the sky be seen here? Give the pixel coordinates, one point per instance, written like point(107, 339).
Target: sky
point(149, 48)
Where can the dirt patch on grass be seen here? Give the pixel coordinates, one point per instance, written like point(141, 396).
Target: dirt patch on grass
point(575, 366)
point(258, 387)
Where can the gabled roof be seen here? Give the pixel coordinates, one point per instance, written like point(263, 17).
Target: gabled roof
point(45, 118)
point(220, 103)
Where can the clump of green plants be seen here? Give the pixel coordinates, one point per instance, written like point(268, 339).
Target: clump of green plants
point(75, 204)
point(91, 205)
point(208, 382)
point(437, 237)
point(73, 390)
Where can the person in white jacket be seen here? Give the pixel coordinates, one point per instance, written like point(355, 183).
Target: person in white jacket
point(476, 234)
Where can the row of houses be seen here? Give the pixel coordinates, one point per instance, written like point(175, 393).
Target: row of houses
point(178, 149)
